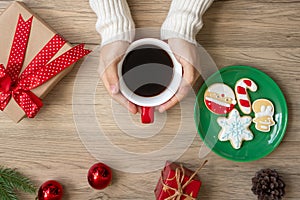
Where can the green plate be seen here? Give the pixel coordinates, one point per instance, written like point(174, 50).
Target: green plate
point(262, 143)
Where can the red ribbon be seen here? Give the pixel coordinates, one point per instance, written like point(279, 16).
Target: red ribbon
point(39, 70)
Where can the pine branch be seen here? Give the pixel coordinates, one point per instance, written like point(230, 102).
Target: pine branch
point(11, 180)
point(7, 193)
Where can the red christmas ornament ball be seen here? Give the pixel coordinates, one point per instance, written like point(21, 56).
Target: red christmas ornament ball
point(99, 176)
point(50, 190)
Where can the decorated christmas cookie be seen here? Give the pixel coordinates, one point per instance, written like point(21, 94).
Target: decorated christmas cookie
point(219, 98)
point(264, 111)
point(235, 129)
point(242, 95)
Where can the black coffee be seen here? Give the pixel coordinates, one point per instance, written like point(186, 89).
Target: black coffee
point(147, 70)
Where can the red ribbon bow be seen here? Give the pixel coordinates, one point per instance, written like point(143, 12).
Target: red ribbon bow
point(38, 71)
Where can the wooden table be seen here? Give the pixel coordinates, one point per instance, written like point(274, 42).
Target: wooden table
point(265, 34)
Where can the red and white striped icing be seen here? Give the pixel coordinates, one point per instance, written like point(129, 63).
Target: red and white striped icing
point(242, 95)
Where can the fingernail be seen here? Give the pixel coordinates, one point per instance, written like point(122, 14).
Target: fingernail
point(132, 111)
point(114, 89)
point(139, 109)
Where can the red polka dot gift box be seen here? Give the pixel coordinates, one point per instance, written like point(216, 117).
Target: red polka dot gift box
point(33, 59)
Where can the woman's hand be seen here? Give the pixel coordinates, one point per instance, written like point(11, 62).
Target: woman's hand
point(110, 55)
point(187, 55)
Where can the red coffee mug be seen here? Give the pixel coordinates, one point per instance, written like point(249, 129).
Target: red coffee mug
point(149, 103)
point(147, 115)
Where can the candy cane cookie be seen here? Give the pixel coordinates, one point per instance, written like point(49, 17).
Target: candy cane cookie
point(241, 93)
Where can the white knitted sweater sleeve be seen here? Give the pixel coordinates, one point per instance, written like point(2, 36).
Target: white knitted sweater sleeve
point(184, 19)
point(114, 20)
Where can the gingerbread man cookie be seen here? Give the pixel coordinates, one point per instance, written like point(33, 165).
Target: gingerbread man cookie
point(219, 98)
point(264, 111)
point(235, 129)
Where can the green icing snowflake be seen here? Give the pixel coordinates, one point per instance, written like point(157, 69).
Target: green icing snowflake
point(235, 128)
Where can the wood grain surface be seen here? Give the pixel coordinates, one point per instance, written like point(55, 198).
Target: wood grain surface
point(260, 33)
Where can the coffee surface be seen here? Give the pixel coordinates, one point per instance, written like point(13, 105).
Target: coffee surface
point(147, 70)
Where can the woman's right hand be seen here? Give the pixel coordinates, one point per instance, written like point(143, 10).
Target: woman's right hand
point(110, 55)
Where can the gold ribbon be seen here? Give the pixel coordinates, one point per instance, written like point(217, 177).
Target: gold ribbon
point(179, 176)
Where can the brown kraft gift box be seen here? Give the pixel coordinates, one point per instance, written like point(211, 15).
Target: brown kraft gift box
point(40, 34)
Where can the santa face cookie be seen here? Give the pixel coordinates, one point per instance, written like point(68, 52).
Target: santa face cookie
point(219, 98)
point(264, 111)
point(235, 129)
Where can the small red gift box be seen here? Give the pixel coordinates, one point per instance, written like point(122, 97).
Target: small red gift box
point(178, 183)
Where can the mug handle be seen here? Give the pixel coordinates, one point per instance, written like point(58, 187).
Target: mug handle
point(147, 115)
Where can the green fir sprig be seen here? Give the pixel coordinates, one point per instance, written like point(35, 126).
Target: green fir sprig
point(12, 181)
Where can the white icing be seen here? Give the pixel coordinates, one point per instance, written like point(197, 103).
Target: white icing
point(235, 129)
point(217, 102)
point(265, 111)
point(221, 88)
point(265, 123)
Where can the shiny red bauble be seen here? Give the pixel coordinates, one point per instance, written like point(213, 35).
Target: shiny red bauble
point(50, 190)
point(99, 176)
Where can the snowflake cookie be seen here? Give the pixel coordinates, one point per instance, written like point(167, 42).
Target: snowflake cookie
point(235, 128)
